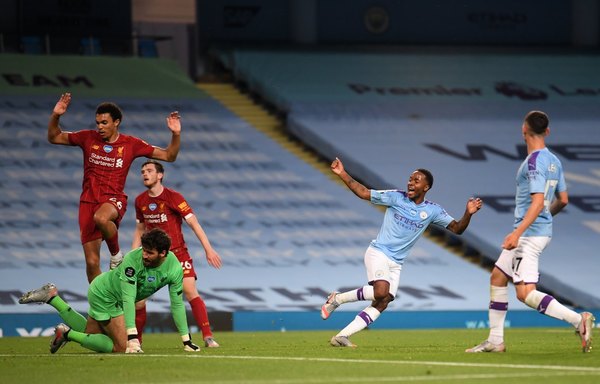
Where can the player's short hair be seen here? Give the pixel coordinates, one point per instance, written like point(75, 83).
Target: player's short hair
point(537, 121)
point(157, 239)
point(159, 167)
point(428, 176)
point(111, 108)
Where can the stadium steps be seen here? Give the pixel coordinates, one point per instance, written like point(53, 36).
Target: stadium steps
point(247, 109)
point(254, 113)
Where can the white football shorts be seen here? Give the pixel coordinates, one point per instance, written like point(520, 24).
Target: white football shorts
point(522, 263)
point(381, 267)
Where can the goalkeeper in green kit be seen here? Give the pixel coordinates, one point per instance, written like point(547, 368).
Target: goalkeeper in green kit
point(110, 326)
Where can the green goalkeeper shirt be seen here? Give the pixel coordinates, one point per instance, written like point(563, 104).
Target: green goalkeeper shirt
point(131, 282)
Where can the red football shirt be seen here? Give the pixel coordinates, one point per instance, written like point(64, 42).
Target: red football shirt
point(165, 211)
point(106, 165)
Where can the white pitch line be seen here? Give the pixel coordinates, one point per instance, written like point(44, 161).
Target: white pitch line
point(400, 379)
point(331, 360)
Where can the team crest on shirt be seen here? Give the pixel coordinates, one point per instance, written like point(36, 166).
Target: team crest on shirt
point(108, 148)
point(152, 206)
point(129, 272)
point(120, 151)
point(423, 215)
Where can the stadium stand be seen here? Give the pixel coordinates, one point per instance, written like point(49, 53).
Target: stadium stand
point(458, 115)
point(287, 233)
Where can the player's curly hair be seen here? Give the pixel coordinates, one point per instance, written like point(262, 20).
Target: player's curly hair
point(157, 239)
point(112, 109)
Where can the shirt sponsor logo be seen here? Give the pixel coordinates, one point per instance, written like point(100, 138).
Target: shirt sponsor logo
point(155, 218)
point(103, 161)
point(108, 148)
point(413, 212)
point(407, 223)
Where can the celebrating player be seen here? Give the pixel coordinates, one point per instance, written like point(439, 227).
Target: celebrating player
point(110, 326)
point(407, 216)
point(107, 156)
point(162, 207)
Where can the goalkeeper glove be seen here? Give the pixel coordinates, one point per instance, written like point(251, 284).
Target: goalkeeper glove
point(134, 346)
point(188, 346)
point(133, 343)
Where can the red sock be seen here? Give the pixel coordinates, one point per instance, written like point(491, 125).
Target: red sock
point(201, 316)
point(113, 244)
point(140, 321)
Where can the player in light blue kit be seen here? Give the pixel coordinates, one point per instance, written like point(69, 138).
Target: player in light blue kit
point(407, 216)
point(539, 180)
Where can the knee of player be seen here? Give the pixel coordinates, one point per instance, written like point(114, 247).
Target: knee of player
point(383, 299)
point(521, 296)
point(100, 220)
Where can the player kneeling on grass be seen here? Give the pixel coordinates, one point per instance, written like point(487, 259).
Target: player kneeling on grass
point(110, 326)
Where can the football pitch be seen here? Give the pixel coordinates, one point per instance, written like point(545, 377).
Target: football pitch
point(534, 355)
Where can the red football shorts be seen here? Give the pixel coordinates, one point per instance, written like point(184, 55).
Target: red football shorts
point(186, 261)
point(87, 228)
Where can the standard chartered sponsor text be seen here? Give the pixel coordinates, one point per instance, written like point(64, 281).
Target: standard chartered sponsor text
point(104, 161)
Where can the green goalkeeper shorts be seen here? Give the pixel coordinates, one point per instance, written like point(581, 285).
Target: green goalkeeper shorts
point(103, 304)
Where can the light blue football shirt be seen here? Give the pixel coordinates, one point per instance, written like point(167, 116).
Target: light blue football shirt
point(404, 222)
point(540, 172)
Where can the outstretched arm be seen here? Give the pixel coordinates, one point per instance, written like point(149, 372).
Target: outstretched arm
point(458, 227)
point(359, 190)
point(170, 153)
point(212, 257)
point(55, 134)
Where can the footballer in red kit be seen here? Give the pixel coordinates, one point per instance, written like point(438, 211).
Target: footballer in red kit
point(165, 208)
point(107, 157)
point(105, 171)
point(167, 212)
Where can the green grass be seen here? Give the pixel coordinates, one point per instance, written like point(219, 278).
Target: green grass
point(539, 355)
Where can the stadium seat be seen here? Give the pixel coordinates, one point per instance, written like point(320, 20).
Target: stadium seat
point(147, 48)
point(32, 45)
point(91, 46)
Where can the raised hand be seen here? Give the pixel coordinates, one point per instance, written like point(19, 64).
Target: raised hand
point(174, 122)
point(62, 104)
point(336, 166)
point(474, 204)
